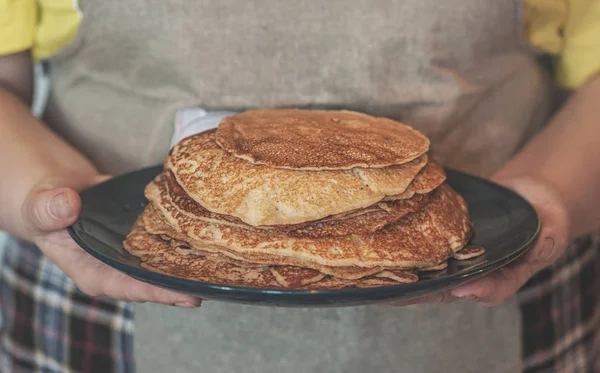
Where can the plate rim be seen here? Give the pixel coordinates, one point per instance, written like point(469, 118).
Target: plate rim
point(419, 286)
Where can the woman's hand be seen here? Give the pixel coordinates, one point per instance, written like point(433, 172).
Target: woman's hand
point(52, 206)
point(500, 285)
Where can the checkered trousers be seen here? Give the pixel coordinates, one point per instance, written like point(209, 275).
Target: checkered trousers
point(560, 310)
point(49, 326)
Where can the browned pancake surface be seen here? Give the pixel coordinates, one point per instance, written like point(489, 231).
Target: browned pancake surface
point(420, 239)
point(469, 252)
point(359, 222)
point(155, 224)
point(319, 140)
point(260, 195)
point(295, 277)
point(159, 256)
point(429, 178)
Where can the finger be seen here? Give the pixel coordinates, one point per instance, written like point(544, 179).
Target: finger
point(100, 179)
point(497, 287)
point(500, 285)
point(120, 286)
point(438, 298)
point(553, 239)
point(50, 210)
point(98, 279)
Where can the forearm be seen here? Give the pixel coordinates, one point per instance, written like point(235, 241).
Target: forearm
point(567, 155)
point(31, 154)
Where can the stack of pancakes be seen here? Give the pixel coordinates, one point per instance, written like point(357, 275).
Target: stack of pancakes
point(302, 199)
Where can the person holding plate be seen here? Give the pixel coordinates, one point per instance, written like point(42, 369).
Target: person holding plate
point(466, 73)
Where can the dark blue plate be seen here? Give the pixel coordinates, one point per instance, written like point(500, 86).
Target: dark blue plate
point(505, 225)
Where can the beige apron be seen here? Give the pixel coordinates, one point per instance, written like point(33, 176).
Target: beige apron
point(456, 69)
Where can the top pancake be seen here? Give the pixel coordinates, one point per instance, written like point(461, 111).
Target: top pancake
point(261, 195)
point(319, 140)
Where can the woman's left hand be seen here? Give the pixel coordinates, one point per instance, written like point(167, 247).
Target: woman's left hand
point(498, 286)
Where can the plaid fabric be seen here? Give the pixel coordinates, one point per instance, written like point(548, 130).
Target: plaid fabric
point(49, 326)
point(561, 313)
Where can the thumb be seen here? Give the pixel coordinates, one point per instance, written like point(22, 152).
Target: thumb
point(51, 210)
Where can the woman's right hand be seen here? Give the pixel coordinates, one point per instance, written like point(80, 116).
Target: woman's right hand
point(52, 206)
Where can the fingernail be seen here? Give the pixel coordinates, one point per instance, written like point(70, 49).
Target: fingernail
point(186, 305)
point(464, 295)
point(59, 206)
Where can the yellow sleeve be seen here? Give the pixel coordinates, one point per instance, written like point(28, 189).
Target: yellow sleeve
point(570, 30)
point(18, 20)
point(59, 23)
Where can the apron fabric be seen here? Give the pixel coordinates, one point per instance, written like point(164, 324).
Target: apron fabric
point(458, 70)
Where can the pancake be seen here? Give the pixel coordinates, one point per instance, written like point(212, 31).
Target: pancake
point(429, 178)
point(437, 267)
point(468, 252)
point(155, 225)
point(453, 216)
point(260, 195)
point(331, 283)
point(286, 276)
point(349, 273)
point(184, 248)
point(420, 239)
point(159, 256)
point(294, 277)
point(319, 140)
point(302, 200)
point(363, 221)
point(402, 277)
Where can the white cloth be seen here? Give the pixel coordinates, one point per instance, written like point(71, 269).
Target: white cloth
point(190, 121)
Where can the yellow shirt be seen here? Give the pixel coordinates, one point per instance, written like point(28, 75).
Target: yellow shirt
point(567, 29)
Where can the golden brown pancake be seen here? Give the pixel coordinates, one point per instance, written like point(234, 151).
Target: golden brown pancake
point(429, 178)
point(286, 276)
point(363, 221)
point(157, 255)
point(330, 283)
point(453, 215)
point(469, 252)
point(155, 225)
point(319, 140)
point(402, 277)
point(437, 267)
point(418, 240)
point(260, 195)
point(304, 200)
point(295, 277)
